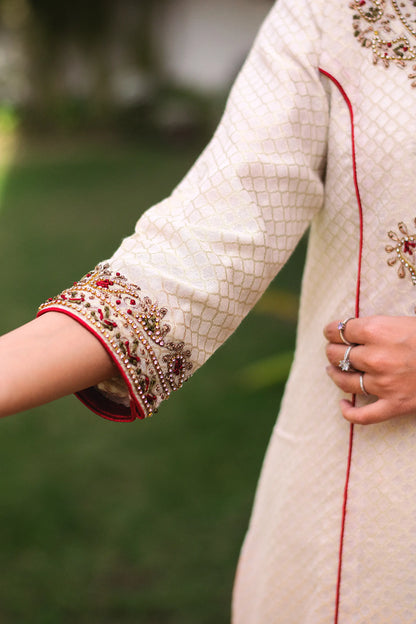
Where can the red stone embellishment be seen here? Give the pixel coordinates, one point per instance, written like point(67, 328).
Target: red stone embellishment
point(404, 244)
point(106, 283)
point(409, 246)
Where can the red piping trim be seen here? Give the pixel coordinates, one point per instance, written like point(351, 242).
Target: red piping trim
point(93, 399)
point(357, 314)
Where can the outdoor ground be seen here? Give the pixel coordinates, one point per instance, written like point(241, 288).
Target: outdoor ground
point(125, 523)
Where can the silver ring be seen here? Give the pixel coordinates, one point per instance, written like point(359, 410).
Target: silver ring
point(345, 364)
point(363, 390)
point(341, 328)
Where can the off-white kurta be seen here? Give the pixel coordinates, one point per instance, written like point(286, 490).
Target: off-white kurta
point(320, 129)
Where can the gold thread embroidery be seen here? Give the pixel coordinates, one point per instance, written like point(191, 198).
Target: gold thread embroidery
point(132, 326)
point(404, 252)
point(381, 29)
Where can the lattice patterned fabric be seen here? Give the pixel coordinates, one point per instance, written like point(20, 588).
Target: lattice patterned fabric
point(320, 128)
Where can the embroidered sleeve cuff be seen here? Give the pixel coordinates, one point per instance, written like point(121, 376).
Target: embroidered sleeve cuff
point(131, 327)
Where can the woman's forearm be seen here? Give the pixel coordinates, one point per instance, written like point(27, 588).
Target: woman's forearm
point(48, 358)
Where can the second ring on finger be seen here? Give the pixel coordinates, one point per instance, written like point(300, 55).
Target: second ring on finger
point(347, 359)
point(345, 364)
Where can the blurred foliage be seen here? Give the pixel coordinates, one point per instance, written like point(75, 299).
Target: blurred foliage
point(84, 21)
point(172, 112)
point(89, 22)
point(268, 372)
point(9, 119)
point(168, 112)
point(282, 305)
point(55, 33)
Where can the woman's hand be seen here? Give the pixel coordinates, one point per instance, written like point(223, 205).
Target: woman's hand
point(385, 354)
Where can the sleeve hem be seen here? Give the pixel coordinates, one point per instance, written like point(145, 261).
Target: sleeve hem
point(133, 330)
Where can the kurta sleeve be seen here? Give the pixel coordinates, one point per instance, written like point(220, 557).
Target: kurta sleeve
point(199, 260)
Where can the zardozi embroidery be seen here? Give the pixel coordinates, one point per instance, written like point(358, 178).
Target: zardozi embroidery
point(389, 29)
point(404, 252)
point(132, 327)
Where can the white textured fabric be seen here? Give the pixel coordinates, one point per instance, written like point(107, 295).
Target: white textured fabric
point(283, 158)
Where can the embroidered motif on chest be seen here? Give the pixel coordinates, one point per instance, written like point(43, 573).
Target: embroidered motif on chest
point(388, 27)
point(404, 252)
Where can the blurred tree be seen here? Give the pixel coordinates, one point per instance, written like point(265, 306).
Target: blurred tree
point(72, 49)
point(104, 64)
point(54, 27)
point(84, 21)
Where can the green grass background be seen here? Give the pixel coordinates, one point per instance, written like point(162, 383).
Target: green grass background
point(125, 523)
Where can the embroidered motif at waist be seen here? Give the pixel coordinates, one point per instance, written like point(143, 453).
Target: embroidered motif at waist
point(404, 252)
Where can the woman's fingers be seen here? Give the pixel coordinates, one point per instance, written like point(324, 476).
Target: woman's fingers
point(366, 330)
point(377, 412)
point(350, 330)
point(350, 382)
point(355, 355)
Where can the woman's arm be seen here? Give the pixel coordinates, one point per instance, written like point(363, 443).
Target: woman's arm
point(48, 358)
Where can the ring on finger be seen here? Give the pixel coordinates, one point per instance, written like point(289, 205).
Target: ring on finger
point(362, 386)
point(341, 328)
point(345, 364)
